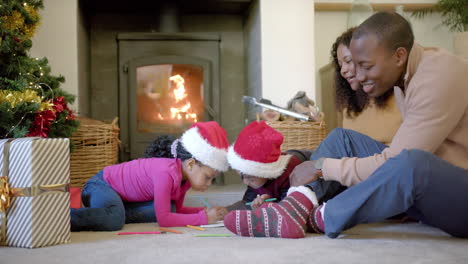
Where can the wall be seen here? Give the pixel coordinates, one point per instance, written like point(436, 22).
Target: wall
point(287, 46)
point(84, 105)
point(253, 56)
point(57, 39)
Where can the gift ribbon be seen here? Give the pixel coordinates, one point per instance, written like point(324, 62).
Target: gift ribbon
point(4, 204)
point(6, 193)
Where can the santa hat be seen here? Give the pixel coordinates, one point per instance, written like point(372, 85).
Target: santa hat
point(208, 143)
point(257, 152)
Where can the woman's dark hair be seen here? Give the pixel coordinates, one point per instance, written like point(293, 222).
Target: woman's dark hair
point(161, 148)
point(345, 97)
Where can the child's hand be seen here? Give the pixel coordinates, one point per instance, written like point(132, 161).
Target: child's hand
point(215, 214)
point(222, 212)
point(259, 201)
point(212, 215)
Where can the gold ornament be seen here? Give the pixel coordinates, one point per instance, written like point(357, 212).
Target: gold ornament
point(30, 29)
point(28, 96)
point(15, 21)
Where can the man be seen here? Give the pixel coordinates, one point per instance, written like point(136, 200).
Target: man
point(424, 170)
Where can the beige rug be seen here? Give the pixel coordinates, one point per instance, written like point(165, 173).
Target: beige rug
point(375, 243)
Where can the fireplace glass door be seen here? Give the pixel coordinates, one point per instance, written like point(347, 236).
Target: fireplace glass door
point(167, 94)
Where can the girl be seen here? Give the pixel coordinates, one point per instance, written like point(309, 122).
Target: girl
point(194, 161)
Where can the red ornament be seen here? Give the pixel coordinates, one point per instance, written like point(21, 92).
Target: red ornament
point(44, 119)
point(60, 104)
point(41, 125)
point(17, 39)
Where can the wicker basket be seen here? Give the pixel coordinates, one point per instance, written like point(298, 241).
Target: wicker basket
point(299, 134)
point(96, 146)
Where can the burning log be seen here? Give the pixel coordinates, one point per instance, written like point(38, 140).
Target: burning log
point(271, 115)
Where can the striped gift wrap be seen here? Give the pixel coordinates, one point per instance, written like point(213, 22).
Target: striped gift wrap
point(38, 175)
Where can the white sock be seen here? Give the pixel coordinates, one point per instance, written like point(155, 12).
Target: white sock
point(322, 209)
point(307, 192)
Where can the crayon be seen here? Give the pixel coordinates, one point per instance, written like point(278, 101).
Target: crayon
point(170, 230)
point(196, 227)
point(204, 201)
point(267, 200)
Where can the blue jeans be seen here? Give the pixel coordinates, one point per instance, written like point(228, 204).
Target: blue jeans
point(104, 209)
point(338, 144)
point(415, 182)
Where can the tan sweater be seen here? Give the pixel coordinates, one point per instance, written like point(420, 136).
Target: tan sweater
point(380, 124)
point(434, 109)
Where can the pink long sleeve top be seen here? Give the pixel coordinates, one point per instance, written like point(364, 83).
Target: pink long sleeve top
point(157, 179)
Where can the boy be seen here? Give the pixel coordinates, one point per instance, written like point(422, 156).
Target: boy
point(257, 158)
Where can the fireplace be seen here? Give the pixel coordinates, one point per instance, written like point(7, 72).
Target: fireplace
point(167, 82)
point(135, 48)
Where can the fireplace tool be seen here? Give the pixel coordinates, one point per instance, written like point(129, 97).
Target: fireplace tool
point(267, 104)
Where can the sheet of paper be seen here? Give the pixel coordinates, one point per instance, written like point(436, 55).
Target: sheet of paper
point(217, 224)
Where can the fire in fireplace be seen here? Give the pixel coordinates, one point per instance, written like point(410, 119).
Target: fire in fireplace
point(169, 97)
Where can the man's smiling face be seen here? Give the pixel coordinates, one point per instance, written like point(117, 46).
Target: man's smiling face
point(377, 68)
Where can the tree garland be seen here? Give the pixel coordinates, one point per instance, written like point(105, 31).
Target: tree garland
point(31, 101)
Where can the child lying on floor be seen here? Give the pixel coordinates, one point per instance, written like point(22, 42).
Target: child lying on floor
point(257, 158)
point(124, 193)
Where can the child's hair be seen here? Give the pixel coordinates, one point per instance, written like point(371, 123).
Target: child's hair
point(161, 148)
point(205, 142)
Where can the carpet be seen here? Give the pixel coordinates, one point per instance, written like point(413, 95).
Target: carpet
point(387, 242)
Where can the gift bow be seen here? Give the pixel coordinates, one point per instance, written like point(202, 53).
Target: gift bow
point(4, 204)
point(4, 194)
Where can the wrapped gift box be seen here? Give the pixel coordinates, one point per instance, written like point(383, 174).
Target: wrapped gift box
point(38, 176)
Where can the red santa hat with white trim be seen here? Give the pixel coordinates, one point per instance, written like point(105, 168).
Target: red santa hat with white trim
point(257, 151)
point(208, 143)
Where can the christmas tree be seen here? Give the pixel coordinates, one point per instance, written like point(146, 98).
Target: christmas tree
point(31, 101)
